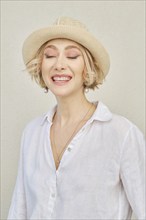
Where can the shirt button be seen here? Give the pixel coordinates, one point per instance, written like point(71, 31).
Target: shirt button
point(69, 149)
point(53, 195)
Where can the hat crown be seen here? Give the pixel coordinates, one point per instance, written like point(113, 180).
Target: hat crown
point(70, 22)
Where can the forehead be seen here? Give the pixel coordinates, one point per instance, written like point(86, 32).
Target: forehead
point(63, 43)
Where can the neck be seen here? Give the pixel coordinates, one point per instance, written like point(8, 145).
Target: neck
point(71, 110)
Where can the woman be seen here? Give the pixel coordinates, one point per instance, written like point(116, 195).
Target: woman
point(79, 161)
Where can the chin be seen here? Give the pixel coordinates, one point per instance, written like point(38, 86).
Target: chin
point(65, 92)
point(62, 92)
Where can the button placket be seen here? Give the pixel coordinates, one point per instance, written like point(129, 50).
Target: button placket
point(52, 197)
point(51, 203)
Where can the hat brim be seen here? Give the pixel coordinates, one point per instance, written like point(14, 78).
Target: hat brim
point(79, 35)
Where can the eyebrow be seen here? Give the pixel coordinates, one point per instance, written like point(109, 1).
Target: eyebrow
point(66, 48)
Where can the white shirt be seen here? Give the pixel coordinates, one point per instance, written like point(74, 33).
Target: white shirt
point(101, 174)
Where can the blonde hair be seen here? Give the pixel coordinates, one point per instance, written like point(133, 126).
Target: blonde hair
point(93, 77)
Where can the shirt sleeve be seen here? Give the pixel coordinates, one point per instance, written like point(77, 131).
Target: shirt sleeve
point(18, 204)
point(133, 171)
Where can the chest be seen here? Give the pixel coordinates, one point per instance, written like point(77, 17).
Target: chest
point(89, 162)
point(61, 138)
point(91, 147)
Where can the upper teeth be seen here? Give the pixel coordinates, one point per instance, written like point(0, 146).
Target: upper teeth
point(63, 78)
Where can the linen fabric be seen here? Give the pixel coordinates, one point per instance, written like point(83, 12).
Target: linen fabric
point(67, 28)
point(101, 174)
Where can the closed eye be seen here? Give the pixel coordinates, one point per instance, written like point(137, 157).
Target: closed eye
point(47, 56)
point(73, 57)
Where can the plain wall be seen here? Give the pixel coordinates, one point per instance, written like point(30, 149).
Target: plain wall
point(119, 25)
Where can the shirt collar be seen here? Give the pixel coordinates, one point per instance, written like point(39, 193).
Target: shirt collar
point(49, 115)
point(102, 113)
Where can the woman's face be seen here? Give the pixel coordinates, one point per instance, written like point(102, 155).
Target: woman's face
point(63, 67)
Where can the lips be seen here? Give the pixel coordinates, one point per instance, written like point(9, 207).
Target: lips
point(61, 78)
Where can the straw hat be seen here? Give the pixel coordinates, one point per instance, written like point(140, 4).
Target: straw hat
point(71, 29)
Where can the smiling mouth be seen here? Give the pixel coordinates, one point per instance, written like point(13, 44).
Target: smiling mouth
point(61, 79)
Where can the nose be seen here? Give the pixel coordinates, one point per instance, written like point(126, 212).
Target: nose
point(60, 63)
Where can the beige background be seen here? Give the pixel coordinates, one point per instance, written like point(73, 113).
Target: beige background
point(118, 24)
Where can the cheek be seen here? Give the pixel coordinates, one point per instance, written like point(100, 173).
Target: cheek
point(46, 65)
point(81, 68)
point(45, 69)
point(82, 65)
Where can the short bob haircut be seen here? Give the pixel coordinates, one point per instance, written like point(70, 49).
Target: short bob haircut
point(93, 77)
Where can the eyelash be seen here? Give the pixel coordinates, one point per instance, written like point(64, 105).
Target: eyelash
point(48, 56)
point(73, 58)
point(67, 57)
